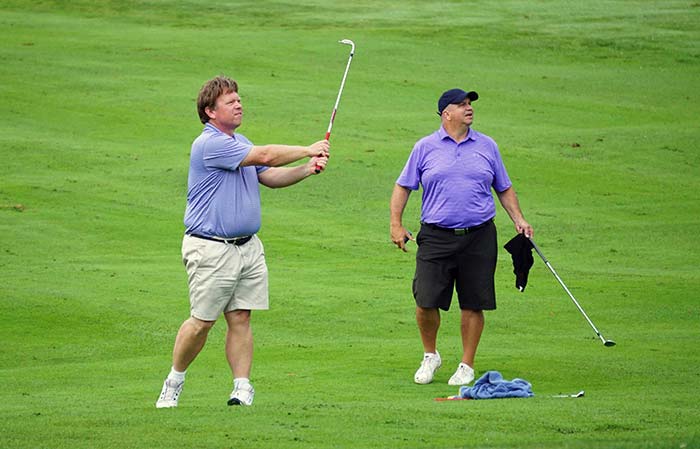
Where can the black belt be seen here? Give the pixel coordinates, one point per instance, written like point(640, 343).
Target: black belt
point(458, 231)
point(238, 241)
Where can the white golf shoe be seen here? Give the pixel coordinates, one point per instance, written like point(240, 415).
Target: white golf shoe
point(170, 394)
point(463, 375)
point(430, 364)
point(242, 394)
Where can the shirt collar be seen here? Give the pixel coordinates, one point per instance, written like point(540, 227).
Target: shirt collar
point(471, 134)
point(211, 127)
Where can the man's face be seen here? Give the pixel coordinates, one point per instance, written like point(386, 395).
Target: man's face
point(461, 112)
point(228, 112)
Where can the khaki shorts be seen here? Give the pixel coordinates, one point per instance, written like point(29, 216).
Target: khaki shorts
point(223, 277)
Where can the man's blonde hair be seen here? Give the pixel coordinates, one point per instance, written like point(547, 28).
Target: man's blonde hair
point(213, 89)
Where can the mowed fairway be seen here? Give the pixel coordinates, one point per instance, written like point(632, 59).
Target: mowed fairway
point(594, 105)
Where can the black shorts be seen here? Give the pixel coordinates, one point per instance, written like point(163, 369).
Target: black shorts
point(445, 260)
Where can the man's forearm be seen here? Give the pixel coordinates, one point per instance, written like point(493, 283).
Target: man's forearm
point(275, 155)
point(509, 201)
point(399, 198)
point(277, 177)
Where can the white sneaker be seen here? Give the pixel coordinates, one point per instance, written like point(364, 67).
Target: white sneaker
point(169, 394)
point(430, 364)
point(463, 375)
point(242, 395)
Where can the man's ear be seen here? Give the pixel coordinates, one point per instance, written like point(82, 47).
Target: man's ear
point(210, 112)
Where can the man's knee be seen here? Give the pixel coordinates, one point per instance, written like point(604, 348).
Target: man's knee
point(427, 312)
point(200, 327)
point(238, 318)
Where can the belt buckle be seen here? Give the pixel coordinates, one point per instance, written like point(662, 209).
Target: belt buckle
point(461, 231)
point(238, 241)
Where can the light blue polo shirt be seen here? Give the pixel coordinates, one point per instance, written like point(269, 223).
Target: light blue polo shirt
point(223, 199)
point(456, 178)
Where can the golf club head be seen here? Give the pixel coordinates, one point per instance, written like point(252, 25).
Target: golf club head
point(609, 343)
point(580, 394)
point(349, 42)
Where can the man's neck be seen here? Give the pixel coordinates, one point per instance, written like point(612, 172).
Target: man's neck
point(457, 132)
point(222, 129)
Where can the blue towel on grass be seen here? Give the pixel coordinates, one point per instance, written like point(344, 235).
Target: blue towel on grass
point(492, 386)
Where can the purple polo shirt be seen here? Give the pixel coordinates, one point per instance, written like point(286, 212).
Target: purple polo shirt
point(456, 178)
point(223, 198)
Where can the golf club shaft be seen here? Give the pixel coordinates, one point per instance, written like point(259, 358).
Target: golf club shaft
point(340, 91)
point(566, 289)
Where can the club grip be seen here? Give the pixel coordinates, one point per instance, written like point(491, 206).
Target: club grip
point(318, 167)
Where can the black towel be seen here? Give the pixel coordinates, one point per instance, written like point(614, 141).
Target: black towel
point(520, 249)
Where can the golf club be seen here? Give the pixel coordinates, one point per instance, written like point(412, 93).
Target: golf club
point(452, 398)
point(340, 92)
point(577, 395)
point(546, 262)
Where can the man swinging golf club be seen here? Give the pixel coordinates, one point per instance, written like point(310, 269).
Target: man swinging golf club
point(457, 168)
point(223, 256)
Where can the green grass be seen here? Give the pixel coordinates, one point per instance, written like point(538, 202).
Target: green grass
point(594, 106)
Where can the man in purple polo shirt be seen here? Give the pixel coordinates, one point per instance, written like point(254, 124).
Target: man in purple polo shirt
point(457, 248)
point(224, 258)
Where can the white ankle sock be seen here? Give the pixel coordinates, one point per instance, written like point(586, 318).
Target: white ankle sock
point(177, 376)
point(240, 381)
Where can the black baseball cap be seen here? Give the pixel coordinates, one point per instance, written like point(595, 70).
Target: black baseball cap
point(455, 96)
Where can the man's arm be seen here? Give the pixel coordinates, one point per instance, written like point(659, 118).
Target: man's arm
point(279, 155)
point(276, 177)
point(509, 201)
point(399, 198)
